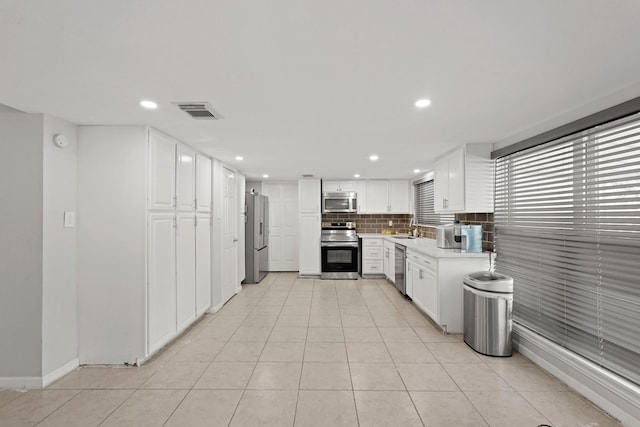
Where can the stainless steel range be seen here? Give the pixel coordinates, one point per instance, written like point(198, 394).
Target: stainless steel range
point(339, 246)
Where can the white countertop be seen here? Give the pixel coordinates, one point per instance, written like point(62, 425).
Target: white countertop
point(425, 246)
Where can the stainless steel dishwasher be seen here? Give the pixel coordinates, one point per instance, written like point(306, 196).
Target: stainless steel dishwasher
point(401, 259)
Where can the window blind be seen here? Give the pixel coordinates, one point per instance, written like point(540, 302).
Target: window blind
point(567, 229)
point(424, 206)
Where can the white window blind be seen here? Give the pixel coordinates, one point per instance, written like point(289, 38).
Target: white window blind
point(424, 212)
point(567, 229)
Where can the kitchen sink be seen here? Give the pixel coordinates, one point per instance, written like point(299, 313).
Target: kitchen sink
point(403, 237)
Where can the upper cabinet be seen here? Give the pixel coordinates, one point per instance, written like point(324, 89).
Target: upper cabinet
point(346, 186)
point(309, 191)
point(386, 197)
point(162, 180)
point(185, 178)
point(463, 180)
point(203, 183)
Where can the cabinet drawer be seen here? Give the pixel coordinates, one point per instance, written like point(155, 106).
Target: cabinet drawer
point(370, 243)
point(423, 260)
point(372, 267)
point(372, 253)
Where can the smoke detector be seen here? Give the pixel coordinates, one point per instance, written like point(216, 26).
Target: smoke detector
point(199, 110)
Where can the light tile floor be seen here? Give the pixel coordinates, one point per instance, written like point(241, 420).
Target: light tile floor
point(309, 352)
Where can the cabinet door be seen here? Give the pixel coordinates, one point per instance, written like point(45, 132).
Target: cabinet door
point(330, 186)
point(161, 292)
point(349, 186)
point(440, 185)
point(377, 197)
point(309, 249)
point(408, 279)
point(203, 263)
point(361, 189)
point(162, 170)
point(309, 196)
point(203, 183)
point(186, 265)
point(455, 197)
point(399, 196)
point(185, 178)
point(392, 264)
point(425, 290)
point(385, 262)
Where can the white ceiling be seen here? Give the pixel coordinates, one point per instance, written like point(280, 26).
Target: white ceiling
point(308, 86)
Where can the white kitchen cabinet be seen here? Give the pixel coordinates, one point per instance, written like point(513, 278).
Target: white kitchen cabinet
point(162, 166)
point(424, 285)
point(463, 180)
point(309, 196)
point(435, 286)
point(203, 182)
point(186, 269)
point(386, 197)
point(137, 257)
point(389, 264)
point(162, 281)
point(372, 257)
point(309, 221)
point(185, 178)
point(344, 186)
point(309, 249)
point(203, 263)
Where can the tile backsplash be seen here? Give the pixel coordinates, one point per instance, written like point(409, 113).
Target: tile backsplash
point(378, 223)
point(373, 223)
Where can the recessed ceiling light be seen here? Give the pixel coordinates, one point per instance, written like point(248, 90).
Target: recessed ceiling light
point(356, 175)
point(422, 103)
point(265, 176)
point(416, 171)
point(373, 157)
point(239, 158)
point(148, 104)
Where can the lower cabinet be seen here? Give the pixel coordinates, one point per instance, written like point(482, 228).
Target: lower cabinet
point(162, 307)
point(389, 263)
point(309, 256)
point(435, 286)
point(203, 263)
point(372, 256)
point(186, 269)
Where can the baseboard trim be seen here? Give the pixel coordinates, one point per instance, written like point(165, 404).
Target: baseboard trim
point(613, 394)
point(215, 308)
point(60, 372)
point(18, 383)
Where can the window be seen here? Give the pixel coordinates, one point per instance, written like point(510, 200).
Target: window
point(567, 229)
point(423, 202)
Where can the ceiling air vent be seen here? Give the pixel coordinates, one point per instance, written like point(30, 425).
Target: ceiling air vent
point(199, 110)
point(307, 175)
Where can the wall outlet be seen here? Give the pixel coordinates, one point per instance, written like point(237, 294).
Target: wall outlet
point(390, 223)
point(69, 219)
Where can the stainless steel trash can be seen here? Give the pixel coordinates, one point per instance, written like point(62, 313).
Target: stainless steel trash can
point(488, 304)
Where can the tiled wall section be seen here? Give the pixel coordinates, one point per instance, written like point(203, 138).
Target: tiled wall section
point(483, 219)
point(378, 223)
point(373, 223)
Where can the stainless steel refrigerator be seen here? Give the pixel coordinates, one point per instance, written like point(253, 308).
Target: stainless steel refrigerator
point(256, 237)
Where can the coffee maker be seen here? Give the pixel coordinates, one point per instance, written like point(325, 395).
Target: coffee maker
point(449, 236)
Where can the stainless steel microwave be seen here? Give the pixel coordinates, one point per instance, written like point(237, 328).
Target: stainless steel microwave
point(342, 202)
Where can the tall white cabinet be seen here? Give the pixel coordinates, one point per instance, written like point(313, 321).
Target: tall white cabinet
point(309, 220)
point(144, 223)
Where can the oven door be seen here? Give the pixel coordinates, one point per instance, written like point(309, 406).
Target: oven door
point(339, 257)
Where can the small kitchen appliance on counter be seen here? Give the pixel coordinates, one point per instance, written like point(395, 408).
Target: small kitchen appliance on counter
point(446, 237)
point(339, 248)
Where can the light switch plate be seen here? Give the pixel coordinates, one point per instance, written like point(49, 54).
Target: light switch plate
point(69, 219)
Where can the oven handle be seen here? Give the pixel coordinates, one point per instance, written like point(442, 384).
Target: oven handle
point(339, 244)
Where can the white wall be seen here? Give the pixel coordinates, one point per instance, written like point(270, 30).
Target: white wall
point(21, 190)
point(59, 264)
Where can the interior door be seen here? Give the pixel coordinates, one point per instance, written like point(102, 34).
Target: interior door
point(230, 236)
point(282, 235)
point(186, 274)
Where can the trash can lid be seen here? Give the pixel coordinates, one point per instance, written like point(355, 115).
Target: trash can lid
point(489, 281)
